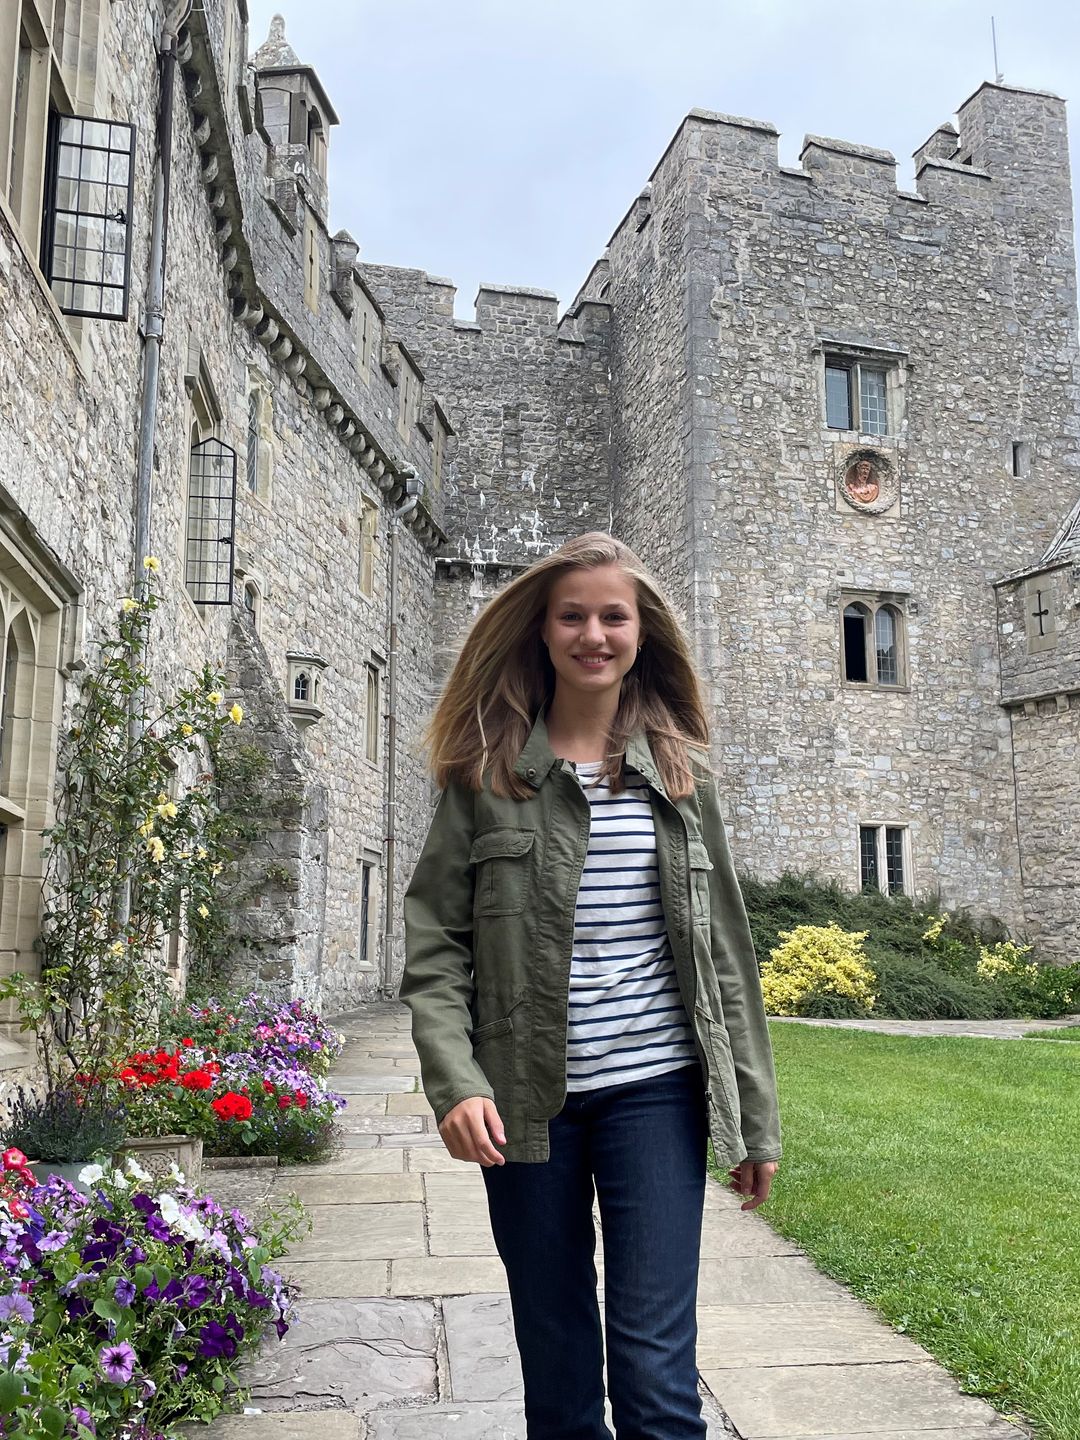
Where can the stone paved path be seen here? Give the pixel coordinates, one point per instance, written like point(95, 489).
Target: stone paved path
point(405, 1329)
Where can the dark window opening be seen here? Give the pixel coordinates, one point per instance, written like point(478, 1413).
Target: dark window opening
point(855, 667)
point(365, 911)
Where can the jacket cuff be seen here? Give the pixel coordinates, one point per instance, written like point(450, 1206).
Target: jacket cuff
point(475, 1092)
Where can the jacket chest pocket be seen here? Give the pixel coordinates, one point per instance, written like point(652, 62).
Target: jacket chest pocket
point(700, 865)
point(503, 869)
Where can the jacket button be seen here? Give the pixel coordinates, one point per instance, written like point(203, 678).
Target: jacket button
point(530, 773)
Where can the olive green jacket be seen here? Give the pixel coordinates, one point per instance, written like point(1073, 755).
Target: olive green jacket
point(489, 927)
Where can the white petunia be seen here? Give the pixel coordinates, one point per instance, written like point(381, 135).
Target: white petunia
point(91, 1174)
point(118, 1180)
point(135, 1170)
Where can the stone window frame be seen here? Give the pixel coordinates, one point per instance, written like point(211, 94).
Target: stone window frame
point(439, 436)
point(369, 545)
point(305, 668)
point(892, 361)
point(204, 422)
point(410, 393)
point(260, 427)
point(40, 604)
point(373, 688)
point(1039, 595)
point(312, 262)
point(251, 591)
point(884, 832)
point(368, 341)
point(873, 601)
point(367, 935)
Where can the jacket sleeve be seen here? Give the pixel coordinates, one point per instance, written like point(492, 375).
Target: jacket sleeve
point(739, 980)
point(437, 984)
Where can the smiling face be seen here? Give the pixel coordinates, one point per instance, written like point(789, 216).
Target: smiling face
point(592, 628)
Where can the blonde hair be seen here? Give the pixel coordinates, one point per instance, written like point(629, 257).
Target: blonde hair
point(503, 676)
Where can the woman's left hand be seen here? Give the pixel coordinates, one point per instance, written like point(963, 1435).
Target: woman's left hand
point(753, 1178)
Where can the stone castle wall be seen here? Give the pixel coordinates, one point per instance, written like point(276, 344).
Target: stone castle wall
point(678, 402)
point(780, 264)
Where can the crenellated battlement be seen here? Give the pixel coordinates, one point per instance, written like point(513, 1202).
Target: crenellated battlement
point(517, 309)
point(1007, 135)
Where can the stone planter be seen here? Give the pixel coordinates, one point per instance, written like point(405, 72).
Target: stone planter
point(158, 1153)
point(67, 1169)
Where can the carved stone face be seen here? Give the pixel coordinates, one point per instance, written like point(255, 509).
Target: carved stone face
point(862, 484)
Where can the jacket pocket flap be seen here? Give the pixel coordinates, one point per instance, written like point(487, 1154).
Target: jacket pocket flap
point(699, 856)
point(500, 842)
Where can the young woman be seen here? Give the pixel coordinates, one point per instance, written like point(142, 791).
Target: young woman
point(584, 992)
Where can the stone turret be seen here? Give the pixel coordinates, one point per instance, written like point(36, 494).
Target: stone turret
point(296, 115)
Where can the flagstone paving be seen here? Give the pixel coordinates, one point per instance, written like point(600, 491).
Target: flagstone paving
point(405, 1332)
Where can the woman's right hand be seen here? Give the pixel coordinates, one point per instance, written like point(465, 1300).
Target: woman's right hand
point(469, 1129)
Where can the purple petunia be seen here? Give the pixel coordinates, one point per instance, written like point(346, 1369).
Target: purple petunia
point(117, 1363)
point(16, 1307)
point(84, 1418)
point(54, 1240)
point(124, 1291)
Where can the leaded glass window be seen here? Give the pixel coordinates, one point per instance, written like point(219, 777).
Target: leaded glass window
point(837, 398)
point(86, 245)
point(211, 522)
point(894, 859)
point(856, 395)
point(868, 867)
point(372, 718)
point(301, 687)
point(887, 651)
point(872, 402)
point(872, 640)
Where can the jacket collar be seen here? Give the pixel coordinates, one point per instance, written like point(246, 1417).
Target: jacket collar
point(537, 757)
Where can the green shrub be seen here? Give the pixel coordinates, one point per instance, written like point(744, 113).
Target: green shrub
point(929, 963)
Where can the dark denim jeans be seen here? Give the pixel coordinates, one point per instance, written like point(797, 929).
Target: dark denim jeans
point(643, 1144)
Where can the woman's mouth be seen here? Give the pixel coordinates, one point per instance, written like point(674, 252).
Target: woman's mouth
point(592, 662)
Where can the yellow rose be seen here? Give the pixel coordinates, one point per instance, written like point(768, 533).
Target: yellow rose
point(127, 604)
point(186, 729)
point(215, 697)
point(147, 825)
point(236, 714)
point(116, 948)
point(202, 852)
point(151, 562)
point(156, 848)
point(162, 797)
point(167, 811)
point(203, 911)
point(217, 868)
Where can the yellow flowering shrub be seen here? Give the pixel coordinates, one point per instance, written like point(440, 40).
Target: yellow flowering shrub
point(817, 960)
point(1005, 958)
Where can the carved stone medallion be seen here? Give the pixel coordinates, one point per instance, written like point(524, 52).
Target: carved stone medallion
point(867, 481)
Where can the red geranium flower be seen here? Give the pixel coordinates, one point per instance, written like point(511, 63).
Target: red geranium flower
point(187, 1040)
point(301, 1100)
point(197, 1080)
point(268, 1086)
point(284, 1101)
point(232, 1106)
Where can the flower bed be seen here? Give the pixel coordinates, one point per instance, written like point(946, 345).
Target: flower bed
point(247, 1080)
point(127, 1311)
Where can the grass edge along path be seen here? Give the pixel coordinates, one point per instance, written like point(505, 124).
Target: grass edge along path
point(939, 1179)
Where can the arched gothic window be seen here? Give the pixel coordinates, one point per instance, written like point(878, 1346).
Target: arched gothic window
point(873, 642)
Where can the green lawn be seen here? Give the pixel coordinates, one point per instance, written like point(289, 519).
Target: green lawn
point(940, 1180)
point(1063, 1032)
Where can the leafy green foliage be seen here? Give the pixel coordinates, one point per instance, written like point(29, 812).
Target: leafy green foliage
point(927, 963)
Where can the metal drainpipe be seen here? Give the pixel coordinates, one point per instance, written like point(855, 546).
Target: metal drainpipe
point(153, 326)
point(412, 491)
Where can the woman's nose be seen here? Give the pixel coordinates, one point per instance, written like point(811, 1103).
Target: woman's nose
point(593, 633)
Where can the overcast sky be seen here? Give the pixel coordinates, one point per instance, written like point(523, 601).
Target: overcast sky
point(488, 140)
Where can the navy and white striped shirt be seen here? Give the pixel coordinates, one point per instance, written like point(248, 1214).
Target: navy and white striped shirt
point(627, 1020)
